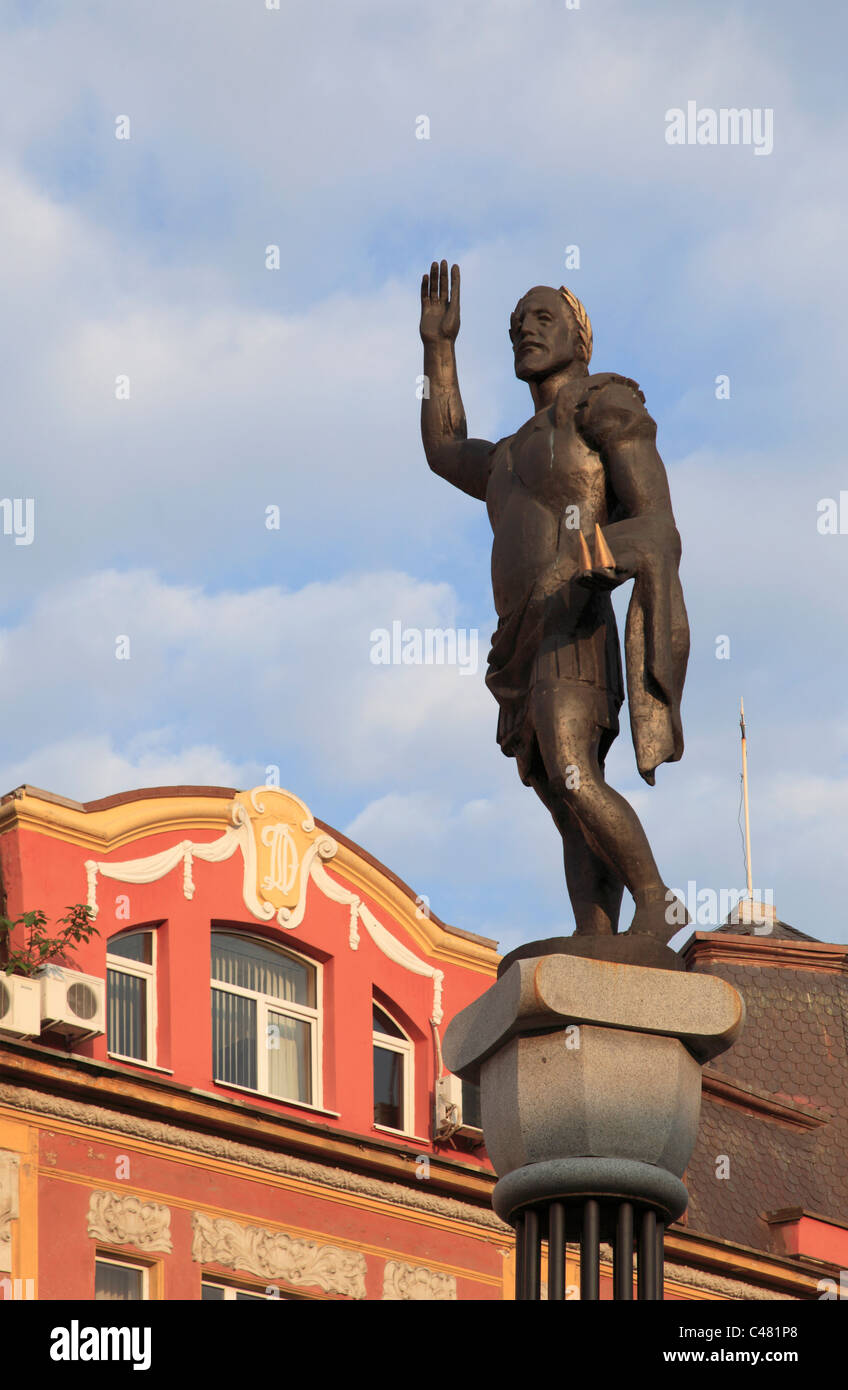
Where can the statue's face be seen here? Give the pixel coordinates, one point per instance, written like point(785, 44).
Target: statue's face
point(543, 333)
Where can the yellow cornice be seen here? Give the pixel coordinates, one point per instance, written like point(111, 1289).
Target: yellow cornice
point(112, 827)
point(116, 826)
point(695, 1248)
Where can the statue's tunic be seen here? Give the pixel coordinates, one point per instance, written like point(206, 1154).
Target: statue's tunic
point(547, 482)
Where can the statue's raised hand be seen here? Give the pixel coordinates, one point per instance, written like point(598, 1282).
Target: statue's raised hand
point(440, 311)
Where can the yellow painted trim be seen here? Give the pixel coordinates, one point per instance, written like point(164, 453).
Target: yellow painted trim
point(264, 1178)
point(22, 1139)
point(14, 1135)
point(105, 831)
point(102, 832)
point(701, 1253)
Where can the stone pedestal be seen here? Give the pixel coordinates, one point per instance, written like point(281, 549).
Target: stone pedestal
point(590, 1078)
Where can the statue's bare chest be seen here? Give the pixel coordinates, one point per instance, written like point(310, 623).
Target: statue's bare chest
point(546, 464)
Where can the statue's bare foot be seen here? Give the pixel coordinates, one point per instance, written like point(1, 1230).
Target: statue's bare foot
point(660, 920)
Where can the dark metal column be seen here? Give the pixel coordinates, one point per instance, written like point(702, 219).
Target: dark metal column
point(590, 1253)
point(647, 1258)
point(620, 1219)
point(532, 1255)
point(556, 1250)
point(623, 1252)
point(660, 1260)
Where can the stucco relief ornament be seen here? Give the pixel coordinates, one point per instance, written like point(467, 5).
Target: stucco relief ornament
point(402, 1282)
point(127, 1220)
point(283, 851)
point(276, 1255)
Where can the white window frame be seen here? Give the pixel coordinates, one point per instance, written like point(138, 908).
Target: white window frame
point(143, 1270)
point(230, 1290)
point(406, 1047)
point(270, 1003)
point(148, 974)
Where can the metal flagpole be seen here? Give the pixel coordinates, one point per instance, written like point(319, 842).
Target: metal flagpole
point(745, 793)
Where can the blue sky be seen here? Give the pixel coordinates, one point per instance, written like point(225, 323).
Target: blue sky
point(296, 388)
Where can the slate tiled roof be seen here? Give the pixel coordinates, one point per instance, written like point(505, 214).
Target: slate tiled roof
point(793, 1050)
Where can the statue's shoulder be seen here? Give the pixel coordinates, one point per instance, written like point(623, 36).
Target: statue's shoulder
point(612, 385)
point(596, 393)
point(611, 408)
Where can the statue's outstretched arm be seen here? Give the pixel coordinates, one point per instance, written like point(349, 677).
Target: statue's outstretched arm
point(450, 453)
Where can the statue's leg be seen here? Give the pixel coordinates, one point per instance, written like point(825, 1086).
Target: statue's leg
point(568, 737)
point(594, 888)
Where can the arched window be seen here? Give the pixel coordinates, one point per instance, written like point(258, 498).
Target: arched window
point(393, 1075)
point(264, 1018)
point(131, 996)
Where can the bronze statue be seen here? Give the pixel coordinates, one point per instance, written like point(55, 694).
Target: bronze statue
point(578, 501)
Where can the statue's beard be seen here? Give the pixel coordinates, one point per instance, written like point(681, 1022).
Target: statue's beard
point(526, 369)
point(529, 366)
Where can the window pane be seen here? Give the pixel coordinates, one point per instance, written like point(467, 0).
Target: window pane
point(117, 1283)
point(211, 1292)
point(137, 946)
point(289, 1057)
point(471, 1105)
point(242, 1297)
point(388, 1088)
point(126, 1023)
point(234, 1039)
point(239, 961)
point(383, 1024)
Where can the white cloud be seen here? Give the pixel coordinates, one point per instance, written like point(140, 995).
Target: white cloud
point(297, 388)
point(88, 767)
point(275, 675)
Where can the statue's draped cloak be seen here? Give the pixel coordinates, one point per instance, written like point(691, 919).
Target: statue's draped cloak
point(656, 642)
point(656, 639)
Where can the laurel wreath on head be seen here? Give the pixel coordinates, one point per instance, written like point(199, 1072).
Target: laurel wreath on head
point(581, 318)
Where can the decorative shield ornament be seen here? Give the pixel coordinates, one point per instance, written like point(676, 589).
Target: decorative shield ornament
point(279, 847)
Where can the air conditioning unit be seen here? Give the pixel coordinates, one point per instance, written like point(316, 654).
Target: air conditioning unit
point(72, 1003)
point(20, 1007)
point(449, 1116)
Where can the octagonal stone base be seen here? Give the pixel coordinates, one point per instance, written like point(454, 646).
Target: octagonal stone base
point(590, 1076)
point(591, 1091)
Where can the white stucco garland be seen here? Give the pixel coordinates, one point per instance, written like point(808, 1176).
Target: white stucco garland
point(239, 836)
